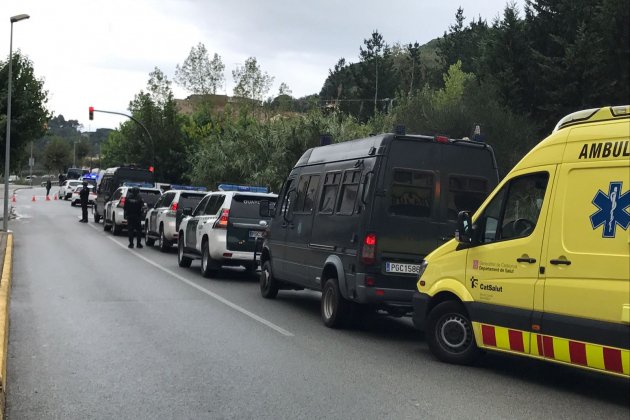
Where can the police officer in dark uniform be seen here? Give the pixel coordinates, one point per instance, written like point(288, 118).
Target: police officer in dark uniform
point(84, 195)
point(133, 214)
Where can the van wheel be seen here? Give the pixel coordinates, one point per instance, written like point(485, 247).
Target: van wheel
point(336, 311)
point(181, 260)
point(450, 334)
point(208, 265)
point(163, 243)
point(147, 239)
point(268, 284)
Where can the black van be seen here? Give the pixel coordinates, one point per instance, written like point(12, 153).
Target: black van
point(356, 219)
point(113, 178)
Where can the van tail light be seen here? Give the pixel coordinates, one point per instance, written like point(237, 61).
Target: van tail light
point(441, 139)
point(121, 203)
point(222, 221)
point(368, 253)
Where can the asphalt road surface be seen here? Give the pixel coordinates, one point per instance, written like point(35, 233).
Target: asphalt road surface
point(100, 331)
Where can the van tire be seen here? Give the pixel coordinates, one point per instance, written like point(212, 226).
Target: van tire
point(182, 261)
point(335, 310)
point(208, 265)
point(268, 284)
point(450, 334)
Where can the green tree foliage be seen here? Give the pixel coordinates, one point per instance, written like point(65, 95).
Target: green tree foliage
point(200, 75)
point(28, 108)
point(166, 149)
point(57, 155)
point(250, 81)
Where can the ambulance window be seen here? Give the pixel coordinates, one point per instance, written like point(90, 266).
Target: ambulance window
point(491, 216)
point(465, 194)
point(411, 193)
point(523, 205)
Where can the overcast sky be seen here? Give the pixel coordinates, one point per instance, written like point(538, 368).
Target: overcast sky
point(100, 53)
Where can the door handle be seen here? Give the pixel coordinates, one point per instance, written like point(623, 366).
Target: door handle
point(560, 262)
point(526, 260)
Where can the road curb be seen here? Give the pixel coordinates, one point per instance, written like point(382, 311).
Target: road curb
point(5, 292)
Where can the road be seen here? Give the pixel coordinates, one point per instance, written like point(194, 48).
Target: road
point(100, 331)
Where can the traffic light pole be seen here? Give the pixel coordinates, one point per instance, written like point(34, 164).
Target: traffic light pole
point(137, 122)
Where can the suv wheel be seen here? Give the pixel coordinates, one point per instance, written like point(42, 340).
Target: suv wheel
point(336, 311)
point(182, 261)
point(450, 334)
point(163, 243)
point(116, 229)
point(268, 284)
point(208, 265)
point(97, 218)
point(147, 239)
point(106, 226)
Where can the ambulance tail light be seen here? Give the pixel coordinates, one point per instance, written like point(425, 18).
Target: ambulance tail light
point(222, 221)
point(368, 253)
point(121, 203)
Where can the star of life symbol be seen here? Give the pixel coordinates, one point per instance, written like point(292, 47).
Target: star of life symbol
point(611, 210)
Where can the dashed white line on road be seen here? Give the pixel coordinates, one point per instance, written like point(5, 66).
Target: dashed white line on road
point(204, 290)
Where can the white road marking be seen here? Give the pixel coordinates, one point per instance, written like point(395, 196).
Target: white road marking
point(203, 290)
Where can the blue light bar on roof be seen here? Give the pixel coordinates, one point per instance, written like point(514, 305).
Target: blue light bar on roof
point(90, 176)
point(138, 184)
point(188, 188)
point(242, 188)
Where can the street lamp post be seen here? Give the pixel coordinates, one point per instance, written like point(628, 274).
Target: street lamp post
point(5, 218)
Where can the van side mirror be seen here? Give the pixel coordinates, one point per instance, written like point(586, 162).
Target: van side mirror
point(267, 209)
point(187, 211)
point(464, 232)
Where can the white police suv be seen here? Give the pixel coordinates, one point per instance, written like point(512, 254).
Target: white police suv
point(223, 229)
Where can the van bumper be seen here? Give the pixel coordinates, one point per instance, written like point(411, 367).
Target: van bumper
point(420, 303)
point(398, 298)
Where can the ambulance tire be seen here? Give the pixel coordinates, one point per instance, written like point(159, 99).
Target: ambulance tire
point(450, 334)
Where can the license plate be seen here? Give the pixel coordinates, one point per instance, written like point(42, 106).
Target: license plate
point(391, 267)
point(256, 233)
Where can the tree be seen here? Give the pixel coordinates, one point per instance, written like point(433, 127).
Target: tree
point(28, 108)
point(251, 82)
point(57, 155)
point(375, 53)
point(284, 90)
point(198, 74)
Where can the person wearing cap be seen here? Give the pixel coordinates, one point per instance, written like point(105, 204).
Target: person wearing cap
point(133, 214)
point(84, 195)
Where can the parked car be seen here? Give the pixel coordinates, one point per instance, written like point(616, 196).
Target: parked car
point(111, 179)
point(76, 198)
point(355, 219)
point(114, 218)
point(223, 229)
point(66, 189)
point(162, 220)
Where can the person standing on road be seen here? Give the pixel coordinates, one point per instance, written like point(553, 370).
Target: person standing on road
point(133, 214)
point(48, 187)
point(84, 196)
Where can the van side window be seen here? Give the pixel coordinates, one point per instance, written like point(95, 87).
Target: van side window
point(349, 192)
point(513, 212)
point(329, 192)
point(307, 187)
point(411, 193)
point(465, 194)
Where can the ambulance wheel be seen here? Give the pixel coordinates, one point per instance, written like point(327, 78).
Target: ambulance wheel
point(268, 284)
point(335, 310)
point(450, 334)
point(181, 260)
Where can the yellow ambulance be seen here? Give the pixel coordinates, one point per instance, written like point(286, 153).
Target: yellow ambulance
point(542, 269)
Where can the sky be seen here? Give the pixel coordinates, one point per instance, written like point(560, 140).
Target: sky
point(100, 52)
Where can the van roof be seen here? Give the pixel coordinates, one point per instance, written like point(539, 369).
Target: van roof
point(367, 147)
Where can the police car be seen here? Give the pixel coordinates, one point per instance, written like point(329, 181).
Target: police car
point(223, 229)
point(66, 189)
point(162, 221)
point(76, 195)
point(114, 215)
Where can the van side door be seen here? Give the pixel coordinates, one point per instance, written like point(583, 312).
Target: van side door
point(279, 225)
point(502, 268)
point(586, 319)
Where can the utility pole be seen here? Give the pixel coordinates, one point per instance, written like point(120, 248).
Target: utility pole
point(74, 154)
point(31, 162)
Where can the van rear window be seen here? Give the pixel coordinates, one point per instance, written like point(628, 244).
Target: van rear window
point(465, 194)
point(247, 206)
point(411, 193)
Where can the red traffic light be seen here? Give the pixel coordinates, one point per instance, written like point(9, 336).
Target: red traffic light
point(91, 112)
point(151, 169)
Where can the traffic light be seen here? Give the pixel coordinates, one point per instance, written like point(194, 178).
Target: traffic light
point(91, 113)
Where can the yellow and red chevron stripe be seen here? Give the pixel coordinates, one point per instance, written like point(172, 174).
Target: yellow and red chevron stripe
point(594, 356)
